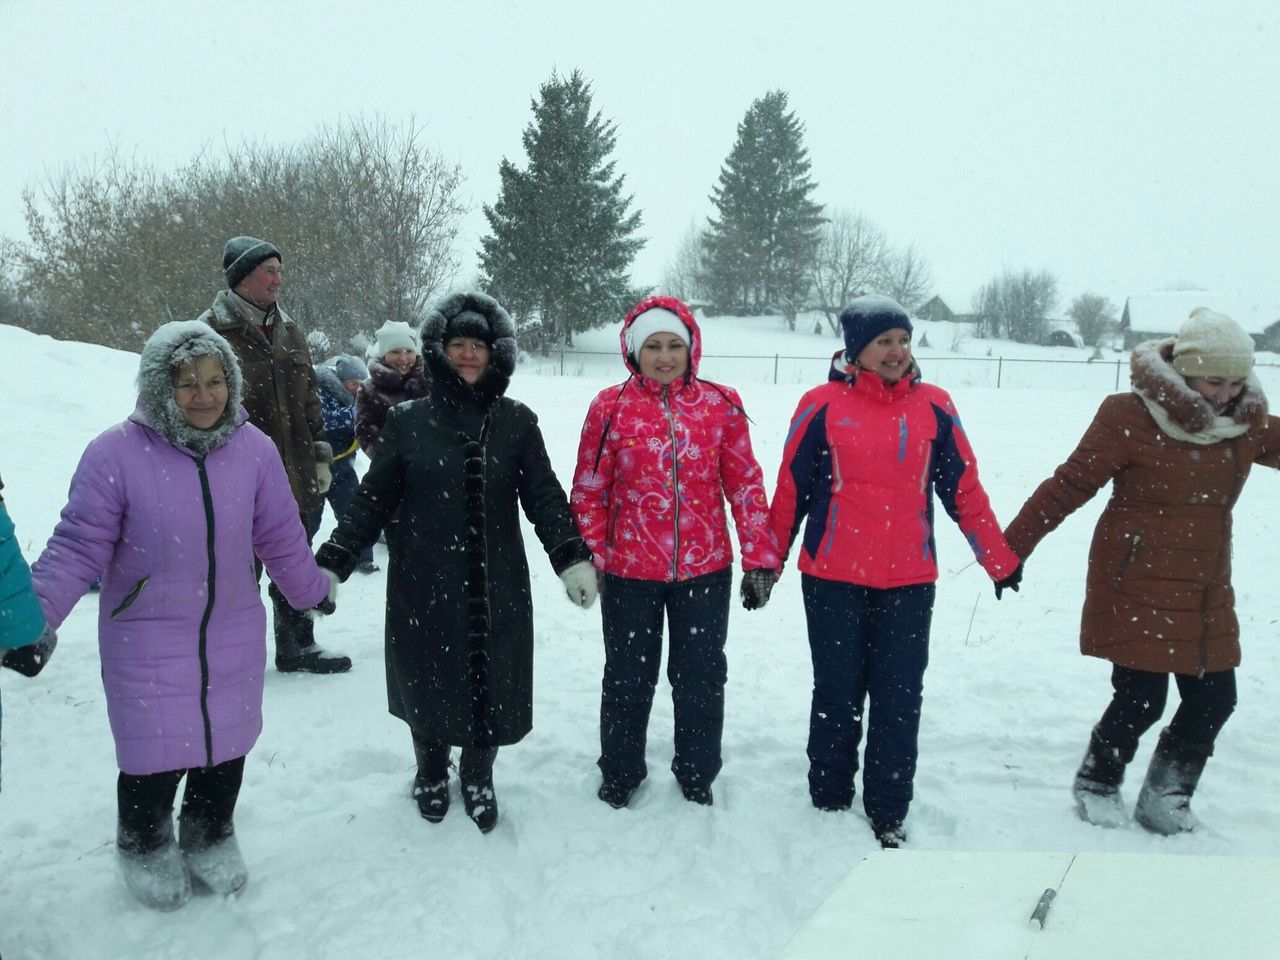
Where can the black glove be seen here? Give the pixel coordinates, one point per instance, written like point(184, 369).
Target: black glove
point(1010, 582)
point(30, 660)
point(757, 584)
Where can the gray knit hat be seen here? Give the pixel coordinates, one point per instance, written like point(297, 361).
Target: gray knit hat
point(348, 367)
point(241, 256)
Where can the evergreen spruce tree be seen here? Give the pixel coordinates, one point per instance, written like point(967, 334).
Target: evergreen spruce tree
point(760, 247)
point(560, 252)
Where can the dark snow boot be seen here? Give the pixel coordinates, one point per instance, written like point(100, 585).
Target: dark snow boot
point(296, 650)
point(891, 833)
point(432, 798)
point(481, 803)
point(1164, 803)
point(1097, 785)
point(697, 793)
point(615, 795)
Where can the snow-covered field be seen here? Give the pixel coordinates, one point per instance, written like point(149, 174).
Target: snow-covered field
point(341, 865)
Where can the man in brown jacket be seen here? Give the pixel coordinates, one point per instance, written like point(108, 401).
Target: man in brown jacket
point(280, 397)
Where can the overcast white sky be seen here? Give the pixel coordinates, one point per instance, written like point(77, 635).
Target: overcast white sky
point(1125, 147)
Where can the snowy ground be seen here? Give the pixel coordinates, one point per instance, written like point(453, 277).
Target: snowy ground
point(341, 864)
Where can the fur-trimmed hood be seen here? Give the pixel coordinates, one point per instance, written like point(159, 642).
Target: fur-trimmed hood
point(327, 383)
point(502, 344)
point(1191, 416)
point(173, 344)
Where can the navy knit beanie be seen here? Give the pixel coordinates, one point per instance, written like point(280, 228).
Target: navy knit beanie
point(865, 318)
point(242, 255)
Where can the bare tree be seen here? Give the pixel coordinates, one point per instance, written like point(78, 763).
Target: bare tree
point(1095, 317)
point(850, 260)
point(1017, 304)
point(365, 214)
point(681, 276)
point(906, 276)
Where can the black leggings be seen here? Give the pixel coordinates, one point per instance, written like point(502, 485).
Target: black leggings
point(1139, 701)
point(146, 806)
point(475, 766)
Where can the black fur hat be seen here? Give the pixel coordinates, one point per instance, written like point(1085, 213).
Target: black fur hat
point(472, 315)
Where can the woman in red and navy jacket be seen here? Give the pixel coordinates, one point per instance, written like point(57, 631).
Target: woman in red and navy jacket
point(863, 455)
point(659, 456)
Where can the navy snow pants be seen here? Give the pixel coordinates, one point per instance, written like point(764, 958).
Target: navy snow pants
point(867, 645)
point(698, 613)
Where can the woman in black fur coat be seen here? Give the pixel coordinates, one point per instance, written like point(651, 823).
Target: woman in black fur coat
point(457, 465)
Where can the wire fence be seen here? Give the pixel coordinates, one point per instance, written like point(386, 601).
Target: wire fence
point(1000, 373)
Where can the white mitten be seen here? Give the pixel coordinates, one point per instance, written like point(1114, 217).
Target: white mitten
point(580, 583)
point(324, 477)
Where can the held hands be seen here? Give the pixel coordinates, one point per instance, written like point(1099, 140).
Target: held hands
point(580, 583)
point(330, 603)
point(324, 466)
point(756, 586)
point(324, 477)
point(1010, 582)
point(30, 660)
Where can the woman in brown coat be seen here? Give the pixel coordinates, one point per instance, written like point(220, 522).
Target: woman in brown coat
point(1158, 596)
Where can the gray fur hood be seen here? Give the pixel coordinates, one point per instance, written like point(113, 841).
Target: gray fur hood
point(172, 345)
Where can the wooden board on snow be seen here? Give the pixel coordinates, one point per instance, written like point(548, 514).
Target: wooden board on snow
point(919, 905)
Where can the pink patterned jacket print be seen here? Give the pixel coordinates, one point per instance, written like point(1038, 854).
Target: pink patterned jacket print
point(655, 467)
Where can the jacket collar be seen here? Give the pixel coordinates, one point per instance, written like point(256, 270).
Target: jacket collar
point(449, 385)
point(232, 311)
point(387, 380)
point(870, 385)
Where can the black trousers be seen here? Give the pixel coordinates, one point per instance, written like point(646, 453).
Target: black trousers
point(698, 613)
point(1139, 701)
point(293, 629)
point(475, 766)
point(867, 645)
point(145, 806)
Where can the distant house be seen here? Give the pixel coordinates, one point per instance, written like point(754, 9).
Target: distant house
point(935, 308)
point(1149, 316)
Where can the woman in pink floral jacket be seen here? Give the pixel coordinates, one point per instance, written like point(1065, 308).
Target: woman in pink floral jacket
point(659, 456)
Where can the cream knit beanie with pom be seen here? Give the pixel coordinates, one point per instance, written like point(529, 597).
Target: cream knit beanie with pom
point(1211, 344)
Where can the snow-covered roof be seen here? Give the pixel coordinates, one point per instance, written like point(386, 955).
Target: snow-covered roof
point(1164, 312)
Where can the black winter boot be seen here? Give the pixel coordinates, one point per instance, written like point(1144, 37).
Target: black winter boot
point(475, 770)
point(891, 833)
point(481, 803)
point(431, 782)
point(1164, 803)
point(296, 650)
point(1097, 785)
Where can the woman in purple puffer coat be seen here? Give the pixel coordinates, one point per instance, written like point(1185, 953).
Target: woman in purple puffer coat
point(171, 506)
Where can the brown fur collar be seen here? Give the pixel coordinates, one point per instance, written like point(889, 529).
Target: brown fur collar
point(1153, 377)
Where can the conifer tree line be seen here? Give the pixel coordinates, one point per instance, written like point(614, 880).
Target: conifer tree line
point(368, 216)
